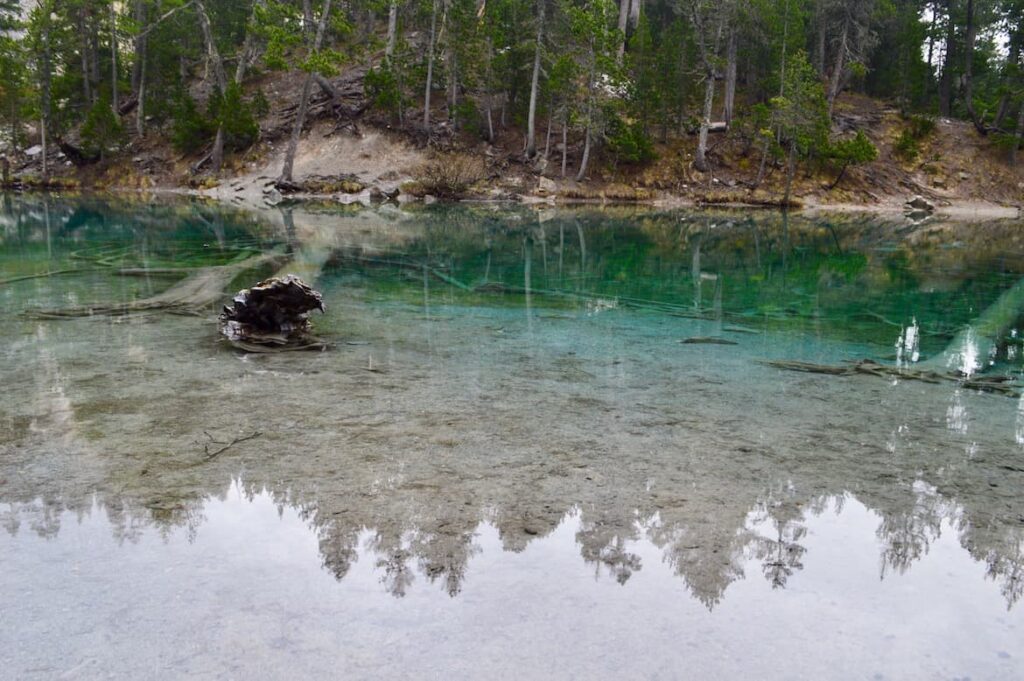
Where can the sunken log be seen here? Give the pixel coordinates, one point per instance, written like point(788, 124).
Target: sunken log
point(273, 314)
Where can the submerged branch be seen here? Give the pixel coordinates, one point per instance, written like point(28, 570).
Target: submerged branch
point(993, 384)
point(44, 275)
point(228, 445)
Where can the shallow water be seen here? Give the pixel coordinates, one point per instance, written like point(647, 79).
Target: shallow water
point(531, 478)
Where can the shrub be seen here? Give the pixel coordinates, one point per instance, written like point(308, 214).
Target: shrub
point(190, 130)
point(236, 117)
point(908, 144)
point(383, 91)
point(101, 131)
point(852, 151)
point(450, 176)
point(628, 142)
point(259, 103)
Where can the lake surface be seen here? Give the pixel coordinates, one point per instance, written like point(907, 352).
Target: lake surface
point(541, 444)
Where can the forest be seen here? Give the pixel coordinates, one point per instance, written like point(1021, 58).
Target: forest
point(560, 84)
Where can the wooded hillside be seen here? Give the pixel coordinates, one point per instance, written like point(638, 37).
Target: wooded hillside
point(560, 84)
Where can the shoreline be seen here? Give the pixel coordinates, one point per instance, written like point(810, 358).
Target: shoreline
point(250, 198)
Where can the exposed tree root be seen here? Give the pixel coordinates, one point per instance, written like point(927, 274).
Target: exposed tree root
point(1001, 385)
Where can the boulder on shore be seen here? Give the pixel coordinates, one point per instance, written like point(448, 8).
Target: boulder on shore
point(921, 203)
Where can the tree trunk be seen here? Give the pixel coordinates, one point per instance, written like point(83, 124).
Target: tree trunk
point(139, 16)
point(972, 30)
point(139, 67)
point(764, 164)
point(1003, 110)
point(701, 162)
point(623, 21)
point(94, 64)
point(86, 78)
point(531, 141)
point(836, 81)
point(140, 108)
point(1019, 136)
point(821, 26)
point(790, 171)
point(946, 81)
point(430, 67)
point(113, 60)
point(582, 173)
point(213, 56)
point(547, 139)
point(453, 89)
point(307, 86)
point(489, 97)
point(565, 142)
point(45, 95)
point(730, 78)
point(785, 44)
point(249, 49)
point(682, 90)
point(389, 50)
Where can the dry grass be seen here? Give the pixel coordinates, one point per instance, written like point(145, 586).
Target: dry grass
point(449, 176)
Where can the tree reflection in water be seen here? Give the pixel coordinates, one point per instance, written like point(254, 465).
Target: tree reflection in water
point(453, 407)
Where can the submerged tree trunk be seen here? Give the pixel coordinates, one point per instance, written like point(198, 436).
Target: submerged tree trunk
point(307, 86)
point(531, 141)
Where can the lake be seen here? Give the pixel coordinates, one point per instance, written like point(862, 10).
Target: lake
point(540, 443)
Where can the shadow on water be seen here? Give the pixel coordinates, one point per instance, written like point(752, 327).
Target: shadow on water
point(516, 368)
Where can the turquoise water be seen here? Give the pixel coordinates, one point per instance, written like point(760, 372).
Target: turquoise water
point(508, 464)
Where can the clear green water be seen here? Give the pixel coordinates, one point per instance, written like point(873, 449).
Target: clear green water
point(508, 465)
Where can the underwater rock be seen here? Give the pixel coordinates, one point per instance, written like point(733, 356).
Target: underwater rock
point(272, 315)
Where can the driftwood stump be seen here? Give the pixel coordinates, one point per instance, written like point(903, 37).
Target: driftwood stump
point(273, 315)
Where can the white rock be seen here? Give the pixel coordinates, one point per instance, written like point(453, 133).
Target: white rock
point(34, 151)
